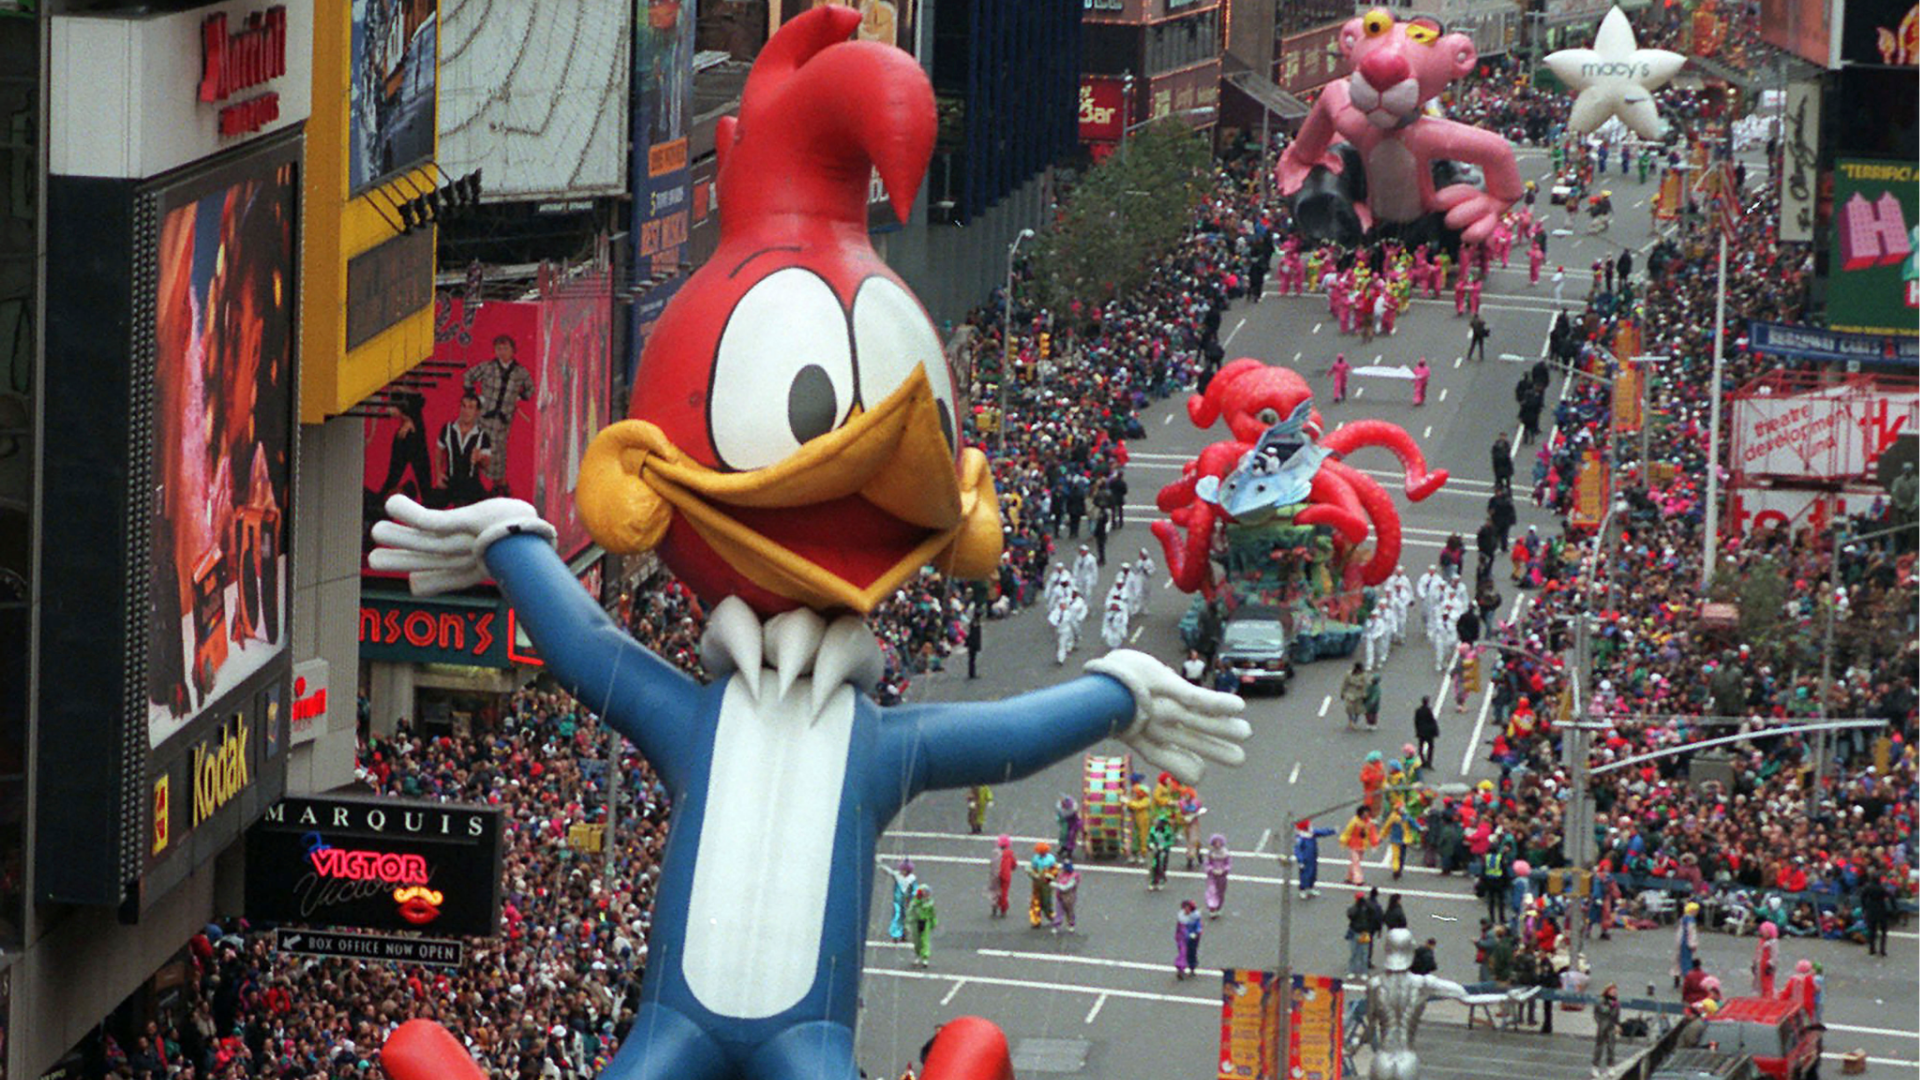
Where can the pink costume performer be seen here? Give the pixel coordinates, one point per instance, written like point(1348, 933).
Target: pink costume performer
point(1473, 295)
point(1535, 257)
point(1766, 959)
point(1340, 370)
point(1460, 292)
point(1386, 310)
point(1421, 373)
point(1218, 862)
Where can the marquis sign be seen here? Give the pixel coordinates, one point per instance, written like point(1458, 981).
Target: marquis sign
point(381, 864)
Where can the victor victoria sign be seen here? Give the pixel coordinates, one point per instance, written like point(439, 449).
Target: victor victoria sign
point(379, 864)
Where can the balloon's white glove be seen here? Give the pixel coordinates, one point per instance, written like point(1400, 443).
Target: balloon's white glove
point(443, 550)
point(1175, 723)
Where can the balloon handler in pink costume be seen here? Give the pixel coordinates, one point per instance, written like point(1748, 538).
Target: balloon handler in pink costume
point(1381, 174)
point(1217, 863)
point(793, 491)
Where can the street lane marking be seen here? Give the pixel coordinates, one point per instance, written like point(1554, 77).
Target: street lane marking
point(1325, 703)
point(1443, 393)
point(957, 984)
point(1325, 860)
point(1235, 330)
point(1359, 392)
point(1296, 357)
point(1167, 421)
point(1295, 774)
point(1210, 1002)
point(1098, 1004)
point(1136, 634)
point(1456, 363)
point(1486, 698)
point(1427, 434)
point(1316, 327)
point(1265, 835)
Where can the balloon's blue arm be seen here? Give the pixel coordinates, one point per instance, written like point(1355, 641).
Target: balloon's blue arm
point(645, 698)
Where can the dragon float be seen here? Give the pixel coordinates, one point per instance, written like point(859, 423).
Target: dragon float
point(1281, 470)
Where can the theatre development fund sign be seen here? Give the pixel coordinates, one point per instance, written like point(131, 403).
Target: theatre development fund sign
point(378, 864)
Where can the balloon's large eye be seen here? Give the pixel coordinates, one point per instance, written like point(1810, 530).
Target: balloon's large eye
point(1268, 416)
point(784, 372)
point(1423, 30)
point(1376, 22)
point(892, 336)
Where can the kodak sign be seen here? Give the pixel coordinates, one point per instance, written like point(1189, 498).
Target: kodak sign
point(219, 769)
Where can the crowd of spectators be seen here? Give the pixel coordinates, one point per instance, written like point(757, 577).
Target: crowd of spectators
point(1776, 838)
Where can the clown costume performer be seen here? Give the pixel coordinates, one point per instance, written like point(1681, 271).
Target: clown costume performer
point(1066, 896)
point(1139, 814)
point(1040, 873)
point(1359, 836)
point(1187, 816)
point(1218, 863)
point(1067, 816)
point(1000, 874)
point(1306, 855)
point(1160, 840)
point(903, 885)
point(1187, 929)
point(921, 921)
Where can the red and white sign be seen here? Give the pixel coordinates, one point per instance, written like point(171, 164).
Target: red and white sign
point(309, 700)
point(136, 94)
point(1834, 433)
point(1103, 109)
point(1755, 507)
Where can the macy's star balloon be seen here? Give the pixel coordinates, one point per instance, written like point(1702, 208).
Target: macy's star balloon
point(1616, 78)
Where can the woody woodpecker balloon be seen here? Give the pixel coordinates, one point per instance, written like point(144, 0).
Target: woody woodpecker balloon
point(792, 454)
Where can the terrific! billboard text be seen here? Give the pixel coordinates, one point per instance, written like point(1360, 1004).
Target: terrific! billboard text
point(1876, 221)
point(381, 864)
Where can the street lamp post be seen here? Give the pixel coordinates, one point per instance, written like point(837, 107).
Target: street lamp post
point(1006, 336)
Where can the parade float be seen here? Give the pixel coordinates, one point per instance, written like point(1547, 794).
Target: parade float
point(1274, 519)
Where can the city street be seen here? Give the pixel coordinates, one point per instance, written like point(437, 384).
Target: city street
point(1104, 1002)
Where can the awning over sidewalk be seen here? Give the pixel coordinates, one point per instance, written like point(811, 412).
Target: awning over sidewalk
point(1264, 94)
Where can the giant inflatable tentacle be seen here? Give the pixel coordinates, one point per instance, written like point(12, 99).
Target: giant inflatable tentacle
point(1351, 436)
point(1185, 544)
point(1334, 504)
point(1386, 520)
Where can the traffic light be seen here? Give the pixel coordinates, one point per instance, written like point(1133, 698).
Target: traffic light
point(1046, 345)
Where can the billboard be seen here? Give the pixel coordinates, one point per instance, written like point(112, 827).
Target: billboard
point(1103, 108)
point(1317, 1032)
point(204, 81)
point(538, 94)
point(1836, 432)
point(164, 667)
point(1883, 32)
point(1799, 156)
point(463, 431)
point(662, 110)
point(1755, 506)
point(457, 630)
point(391, 90)
point(222, 438)
point(376, 863)
point(1249, 1024)
point(574, 390)
point(1875, 285)
point(1833, 346)
point(1181, 92)
point(1307, 60)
